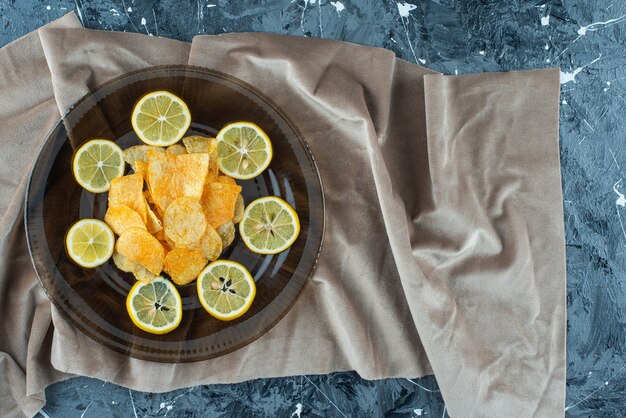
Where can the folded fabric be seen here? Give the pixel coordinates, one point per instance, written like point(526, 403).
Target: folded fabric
point(444, 245)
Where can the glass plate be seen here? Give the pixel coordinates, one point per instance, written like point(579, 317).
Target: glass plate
point(94, 299)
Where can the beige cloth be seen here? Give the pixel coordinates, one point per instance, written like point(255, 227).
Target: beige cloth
point(444, 248)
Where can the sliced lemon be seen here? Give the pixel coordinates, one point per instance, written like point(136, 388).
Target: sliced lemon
point(269, 225)
point(160, 118)
point(96, 163)
point(226, 289)
point(155, 307)
point(244, 150)
point(90, 243)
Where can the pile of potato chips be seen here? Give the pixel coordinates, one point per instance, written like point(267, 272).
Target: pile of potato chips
point(175, 213)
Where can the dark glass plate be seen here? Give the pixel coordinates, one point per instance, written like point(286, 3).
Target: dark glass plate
point(94, 299)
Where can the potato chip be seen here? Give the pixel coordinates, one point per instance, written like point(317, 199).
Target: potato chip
point(199, 144)
point(142, 248)
point(227, 233)
point(139, 153)
point(141, 168)
point(172, 176)
point(128, 191)
point(202, 144)
point(184, 222)
point(153, 223)
point(148, 196)
point(225, 180)
point(120, 218)
point(184, 265)
point(212, 172)
point(160, 236)
point(239, 208)
point(125, 264)
point(142, 274)
point(210, 245)
point(218, 202)
point(176, 149)
point(122, 262)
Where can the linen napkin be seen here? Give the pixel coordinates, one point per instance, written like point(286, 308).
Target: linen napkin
point(444, 245)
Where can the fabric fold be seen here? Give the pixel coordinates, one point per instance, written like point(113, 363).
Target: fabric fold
point(442, 252)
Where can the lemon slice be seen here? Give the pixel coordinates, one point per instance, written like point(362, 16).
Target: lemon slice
point(160, 118)
point(96, 163)
point(244, 150)
point(226, 289)
point(90, 243)
point(269, 225)
point(155, 307)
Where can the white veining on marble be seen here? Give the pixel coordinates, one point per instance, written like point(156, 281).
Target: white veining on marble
point(319, 12)
point(168, 405)
point(114, 12)
point(566, 77)
point(404, 10)
point(606, 383)
point(156, 24)
point(422, 387)
point(545, 20)
point(418, 412)
point(338, 6)
point(44, 413)
point(211, 5)
point(298, 411)
point(621, 201)
point(599, 25)
point(48, 7)
point(83, 414)
point(128, 16)
point(80, 14)
point(144, 23)
point(132, 402)
point(329, 400)
point(129, 10)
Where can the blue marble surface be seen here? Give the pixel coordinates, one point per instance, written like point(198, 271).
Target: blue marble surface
point(587, 39)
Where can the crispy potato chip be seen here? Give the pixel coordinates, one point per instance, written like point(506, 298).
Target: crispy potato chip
point(212, 173)
point(227, 233)
point(139, 153)
point(142, 248)
point(141, 168)
point(125, 264)
point(199, 144)
point(122, 262)
point(184, 264)
point(153, 223)
point(176, 149)
point(239, 208)
point(210, 245)
point(143, 274)
point(218, 202)
point(148, 196)
point(172, 176)
point(225, 180)
point(160, 235)
point(120, 218)
point(184, 222)
point(202, 144)
point(128, 191)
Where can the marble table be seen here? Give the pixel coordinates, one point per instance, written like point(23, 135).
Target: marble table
point(586, 39)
